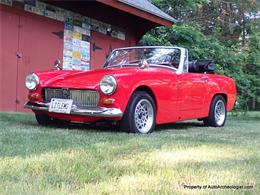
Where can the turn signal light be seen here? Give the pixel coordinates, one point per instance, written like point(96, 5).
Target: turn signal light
point(33, 97)
point(108, 101)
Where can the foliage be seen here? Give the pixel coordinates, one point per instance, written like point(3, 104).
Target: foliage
point(230, 18)
point(252, 68)
point(234, 48)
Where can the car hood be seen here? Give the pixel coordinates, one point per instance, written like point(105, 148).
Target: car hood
point(80, 79)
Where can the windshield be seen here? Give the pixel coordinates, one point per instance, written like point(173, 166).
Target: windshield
point(168, 57)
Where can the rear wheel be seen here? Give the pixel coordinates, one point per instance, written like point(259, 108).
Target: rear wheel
point(43, 119)
point(218, 112)
point(140, 114)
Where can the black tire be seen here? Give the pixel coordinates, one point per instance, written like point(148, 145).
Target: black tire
point(130, 123)
point(43, 119)
point(217, 113)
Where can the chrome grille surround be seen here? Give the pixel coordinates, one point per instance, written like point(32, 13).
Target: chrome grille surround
point(81, 98)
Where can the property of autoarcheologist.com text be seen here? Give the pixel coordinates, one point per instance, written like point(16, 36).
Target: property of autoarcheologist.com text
point(215, 187)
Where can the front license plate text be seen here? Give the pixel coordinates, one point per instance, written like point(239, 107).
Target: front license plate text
point(60, 105)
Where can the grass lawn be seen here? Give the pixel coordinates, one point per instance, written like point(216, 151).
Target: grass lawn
point(99, 160)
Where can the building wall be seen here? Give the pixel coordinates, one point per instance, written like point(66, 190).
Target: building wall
point(35, 34)
point(27, 45)
point(77, 31)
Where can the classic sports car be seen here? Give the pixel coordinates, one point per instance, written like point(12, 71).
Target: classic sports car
point(138, 88)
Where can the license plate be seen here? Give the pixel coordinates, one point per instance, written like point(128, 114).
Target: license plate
point(60, 105)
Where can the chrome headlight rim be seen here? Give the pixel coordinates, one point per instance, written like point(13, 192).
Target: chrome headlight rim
point(32, 81)
point(108, 80)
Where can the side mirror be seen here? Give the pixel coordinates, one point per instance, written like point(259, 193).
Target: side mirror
point(57, 65)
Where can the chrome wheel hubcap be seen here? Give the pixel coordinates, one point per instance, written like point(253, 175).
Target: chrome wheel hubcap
point(144, 116)
point(220, 112)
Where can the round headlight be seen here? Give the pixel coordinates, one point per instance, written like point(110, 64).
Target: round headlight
point(32, 81)
point(108, 85)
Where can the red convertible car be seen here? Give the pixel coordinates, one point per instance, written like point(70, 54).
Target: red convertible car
point(138, 88)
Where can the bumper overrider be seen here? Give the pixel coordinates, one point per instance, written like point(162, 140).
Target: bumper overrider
point(95, 112)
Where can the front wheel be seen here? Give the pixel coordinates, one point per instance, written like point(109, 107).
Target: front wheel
point(218, 112)
point(140, 114)
point(43, 119)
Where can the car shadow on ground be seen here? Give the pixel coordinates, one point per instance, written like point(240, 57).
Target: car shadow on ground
point(106, 126)
point(185, 125)
point(109, 127)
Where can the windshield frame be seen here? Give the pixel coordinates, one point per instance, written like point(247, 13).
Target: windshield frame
point(183, 64)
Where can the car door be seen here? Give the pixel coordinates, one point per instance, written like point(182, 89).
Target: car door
point(192, 90)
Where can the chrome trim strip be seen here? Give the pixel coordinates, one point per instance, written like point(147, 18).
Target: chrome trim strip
point(140, 47)
point(97, 111)
point(150, 65)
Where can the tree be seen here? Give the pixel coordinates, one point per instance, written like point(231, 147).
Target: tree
point(226, 31)
point(229, 18)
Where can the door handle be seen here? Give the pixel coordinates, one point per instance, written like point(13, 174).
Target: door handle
point(19, 55)
point(95, 47)
point(59, 34)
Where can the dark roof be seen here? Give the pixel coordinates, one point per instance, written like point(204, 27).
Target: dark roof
point(146, 6)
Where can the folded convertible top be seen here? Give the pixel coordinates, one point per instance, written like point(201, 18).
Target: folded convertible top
point(202, 66)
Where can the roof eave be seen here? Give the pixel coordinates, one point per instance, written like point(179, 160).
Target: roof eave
point(155, 19)
point(165, 16)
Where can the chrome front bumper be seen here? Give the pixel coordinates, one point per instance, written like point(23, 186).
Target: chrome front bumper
point(97, 112)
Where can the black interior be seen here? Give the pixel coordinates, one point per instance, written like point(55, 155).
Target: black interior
point(202, 66)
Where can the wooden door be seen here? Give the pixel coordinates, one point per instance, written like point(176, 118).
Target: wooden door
point(39, 47)
point(101, 47)
point(8, 61)
point(29, 43)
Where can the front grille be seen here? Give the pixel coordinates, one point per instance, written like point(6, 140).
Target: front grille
point(86, 98)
